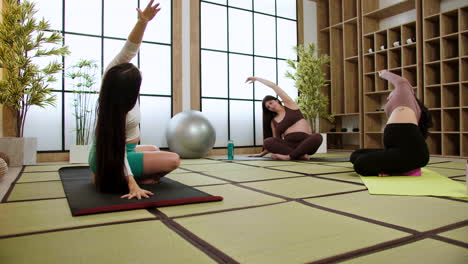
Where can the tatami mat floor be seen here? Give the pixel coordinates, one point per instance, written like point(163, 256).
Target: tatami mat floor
point(272, 212)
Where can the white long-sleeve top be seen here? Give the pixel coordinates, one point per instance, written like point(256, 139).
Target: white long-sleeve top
point(132, 130)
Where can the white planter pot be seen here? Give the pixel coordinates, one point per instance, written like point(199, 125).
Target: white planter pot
point(323, 147)
point(79, 153)
point(21, 151)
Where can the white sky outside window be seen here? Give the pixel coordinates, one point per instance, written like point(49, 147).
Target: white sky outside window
point(240, 31)
point(240, 67)
point(51, 10)
point(213, 26)
point(83, 16)
point(284, 83)
point(264, 39)
point(241, 122)
point(246, 4)
point(155, 116)
point(287, 38)
point(266, 69)
point(119, 17)
point(214, 73)
point(265, 6)
point(258, 124)
point(46, 125)
point(155, 66)
point(216, 111)
point(286, 8)
point(159, 29)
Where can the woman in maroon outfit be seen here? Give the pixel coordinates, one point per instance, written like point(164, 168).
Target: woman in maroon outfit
point(286, 133)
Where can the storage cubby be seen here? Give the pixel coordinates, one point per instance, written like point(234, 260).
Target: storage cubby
point(465, 120)
point(369, 83)
point(375, 102)
point(373, 140)
point(337, 74)
point(335, 12)
point(351, 39)
point(349, 9)
point(451, 95)
point(409, 55)
point(394, 35)
point(380, 84)
point(432, 97)
point(451, 120)
point(351, 86)
point(436, 120)
point(368, 43)
point(408, 32)
point(381, 40)
point(450, 47)
point(431, 27)
point(381, 61)
point(369, 63)
point(463, 19)
point(464, 70)
point(411, 74)
point(323, 19)
point(464, 92)
point(432, 74)
point(451, 145)
point(394, 58)
point(464, 44)
point(434, 143)
point(449, 22)
point(465, 145)
point(432, 50)
point(450, 71)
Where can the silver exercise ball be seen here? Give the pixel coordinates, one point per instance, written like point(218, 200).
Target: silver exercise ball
point(190, 134)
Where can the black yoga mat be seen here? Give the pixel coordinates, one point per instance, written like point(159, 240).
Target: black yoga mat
point(312, 159)
point(83, 198)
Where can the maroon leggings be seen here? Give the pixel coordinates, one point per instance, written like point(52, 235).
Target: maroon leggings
point(294, 144)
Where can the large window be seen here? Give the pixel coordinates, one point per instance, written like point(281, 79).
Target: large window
point(242, 38)
point(97, 30)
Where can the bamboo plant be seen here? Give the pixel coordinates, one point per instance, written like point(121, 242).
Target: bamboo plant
point(83, 75)
point(24, 39)
point(309, 79)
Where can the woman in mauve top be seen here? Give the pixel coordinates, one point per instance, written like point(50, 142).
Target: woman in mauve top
point(405, 135)
point(286, 133)
point(117, 163)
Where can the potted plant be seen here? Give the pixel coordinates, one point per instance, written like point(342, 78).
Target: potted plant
point(309, 79)
point(83, 77)
point(24, 83)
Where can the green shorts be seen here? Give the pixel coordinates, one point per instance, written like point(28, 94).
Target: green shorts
point(135, 159)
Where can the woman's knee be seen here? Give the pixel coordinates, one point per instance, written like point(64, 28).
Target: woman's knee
point(269, 142)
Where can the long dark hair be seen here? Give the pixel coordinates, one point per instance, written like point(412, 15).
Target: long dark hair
point(425, 121)
point(268, 116)
point(119, 93)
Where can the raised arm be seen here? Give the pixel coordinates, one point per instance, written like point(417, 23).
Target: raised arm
point(396, 80)
point(282, 94)
point(135, 37)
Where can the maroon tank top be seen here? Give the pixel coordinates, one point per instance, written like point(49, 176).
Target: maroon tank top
point(290, 118)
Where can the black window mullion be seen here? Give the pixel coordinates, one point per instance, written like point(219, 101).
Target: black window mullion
point(63, 78)
point(228, 75)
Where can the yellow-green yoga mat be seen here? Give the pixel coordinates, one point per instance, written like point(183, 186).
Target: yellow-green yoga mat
point(429, 183)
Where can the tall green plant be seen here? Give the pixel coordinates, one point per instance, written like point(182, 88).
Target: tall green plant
point(309, 79)
point(83, 76)
point(23, 39)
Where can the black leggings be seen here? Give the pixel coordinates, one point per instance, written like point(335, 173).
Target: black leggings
point(294, 144)
point(405, 150)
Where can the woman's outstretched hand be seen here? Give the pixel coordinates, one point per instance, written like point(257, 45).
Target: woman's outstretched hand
point(251, 79)
point(381, 72)
point(149, 13)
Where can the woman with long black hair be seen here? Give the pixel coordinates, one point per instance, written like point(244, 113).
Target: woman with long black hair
point(405, 135)
point(286, 134)
point(116, 161)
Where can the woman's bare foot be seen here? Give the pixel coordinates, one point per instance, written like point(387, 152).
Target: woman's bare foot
point(280, 157)
point(304, 157)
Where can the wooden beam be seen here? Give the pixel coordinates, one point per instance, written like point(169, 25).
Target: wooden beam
point(195, 55)
point(176, 56)
point(300, 22)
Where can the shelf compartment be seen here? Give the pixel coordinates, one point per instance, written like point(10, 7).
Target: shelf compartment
point(369, 83)
point(451, 120)
point(464, 120)
point(432, 74)
point(434, 143)
point(375, 102)
point(431, 27)
point(373, 140)
point(323, 16)
point(449, 22)
point(394, 58)
point(349, 9)
point(351, 81)
point(381, 61)
point(432, 97)
point(368, 44)
point(350, 40)
point(436, 120)
point(450, 47)
point(381, 40)
point(335, 12)
point(464, 92)
point(411, 74)
point(395, 9)
point(408, 31)
point(451, 144)
point(464, 44)
point(337, 74)
point(464, 69)
point(451, 95)
point(465, 145)
point(464, 18)
point(380, 84)
point(394, 35)
point(369, 64)
point(432, 50)
point(450, 71)
point(409, 55)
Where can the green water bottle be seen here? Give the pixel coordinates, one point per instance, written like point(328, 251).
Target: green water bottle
point(230, 149)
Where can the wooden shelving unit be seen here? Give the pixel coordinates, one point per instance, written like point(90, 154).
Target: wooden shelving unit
point(339, 27)
point(445, 38)
point(386, 48)
point(435, 62)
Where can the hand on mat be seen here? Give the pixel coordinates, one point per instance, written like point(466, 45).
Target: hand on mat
point(137, 192)
point(149, 12)
point(255, 155)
